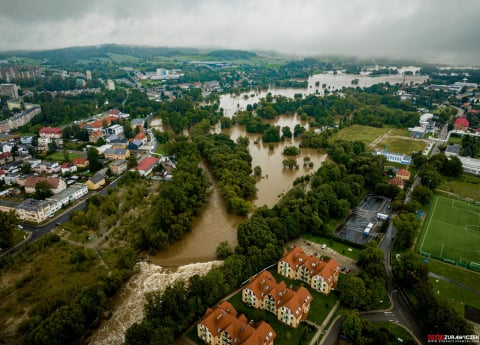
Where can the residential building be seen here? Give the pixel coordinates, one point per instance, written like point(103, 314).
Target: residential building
point(135, 145)
point(66, 197)
point(118, 167)
point(321, 275)
point(137, 123)
point(33, 210)
point(110, 85)
point(19, 119)
point(68, 168)
point(223, 326)
point(50, 132)
point(288, 305)
point(9, 90)
point(115, 154)
point(113, 130)
point(56, 184)
point(397, 181)
point(97, 181)
point(141, 136)
point(5, 157)
point(80, 162)
point(95, 135)
point(404, 174)
point(117, 143)
point(470, 165)
point(146, 165)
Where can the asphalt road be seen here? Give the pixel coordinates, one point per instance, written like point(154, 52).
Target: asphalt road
point(400, 313)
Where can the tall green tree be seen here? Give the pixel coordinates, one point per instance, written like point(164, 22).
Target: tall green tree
point(93, 160)
point(8, 223)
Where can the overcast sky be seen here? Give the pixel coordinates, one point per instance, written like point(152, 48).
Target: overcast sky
point(435, 30)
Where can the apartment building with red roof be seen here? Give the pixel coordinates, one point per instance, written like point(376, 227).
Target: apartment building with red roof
point(223, 326)
point(50, 132)
point(321, 275)
point(290, 306)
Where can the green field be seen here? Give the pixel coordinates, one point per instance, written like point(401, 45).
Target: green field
point(59, 156)
point(365, 134)
point(451, 232)
point(400, 145)
point(468, 186)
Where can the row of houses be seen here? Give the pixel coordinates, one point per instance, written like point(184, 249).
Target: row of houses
point(221, 325)
point(36, 211)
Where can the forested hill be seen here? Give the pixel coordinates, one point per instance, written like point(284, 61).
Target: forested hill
point(73, 54)
point(231, 54)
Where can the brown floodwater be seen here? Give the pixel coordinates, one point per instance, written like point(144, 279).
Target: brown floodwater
point(214, 224)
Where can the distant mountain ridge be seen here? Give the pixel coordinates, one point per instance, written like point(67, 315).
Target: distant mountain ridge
point(73, 54)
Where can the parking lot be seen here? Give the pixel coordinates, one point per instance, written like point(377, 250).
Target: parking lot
point(366, 213)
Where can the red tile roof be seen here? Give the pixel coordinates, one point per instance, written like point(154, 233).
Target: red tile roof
point(461, 121)
point(265, 284)
point(224, 318)
point(31, 181)
point(140, 136)
point(403, 172)
point(99, 123)
point(51, 130)
point(146, 163)
point(79, 161)
point(397, 181)
point(316, 266)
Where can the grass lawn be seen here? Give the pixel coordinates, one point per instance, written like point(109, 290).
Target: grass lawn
point(339, 247)
point(399, 145)
point(454, 295)
point(160, 149)
point(467, 186)
point(365, 134)
point(451, 231)
point(466, 277)
point(18, 236)
point(59, 156)
point(398, 331)
point(455, 140)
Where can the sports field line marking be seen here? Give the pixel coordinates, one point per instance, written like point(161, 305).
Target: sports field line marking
point(475, 213)
point(428, 224)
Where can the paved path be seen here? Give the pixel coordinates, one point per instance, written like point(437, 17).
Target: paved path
point(324, 324)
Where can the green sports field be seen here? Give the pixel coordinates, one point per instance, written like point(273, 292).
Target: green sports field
point(451, 232)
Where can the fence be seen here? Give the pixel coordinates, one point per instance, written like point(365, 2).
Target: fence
point(470, 265)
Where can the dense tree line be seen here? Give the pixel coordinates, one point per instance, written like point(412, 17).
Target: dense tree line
point(8, 224)
point(365, 290)
point(230, 163)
